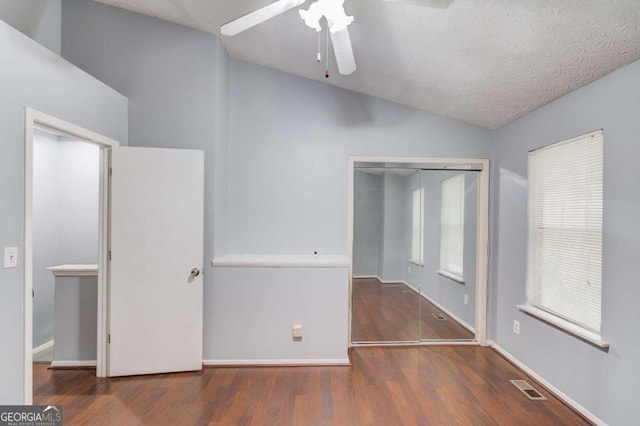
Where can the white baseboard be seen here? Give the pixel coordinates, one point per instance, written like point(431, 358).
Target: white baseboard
point(43, 347)
point(450, 314)
point(277, 362)
point(411, 287)
point(442, 308)
point(390, 281)
point(230, 362)
point(439, 342)
point(559, 394)
point(376, 277)
point(68, 364)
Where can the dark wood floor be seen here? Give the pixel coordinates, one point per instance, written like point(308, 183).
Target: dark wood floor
point(439, 385)
point(390, 312)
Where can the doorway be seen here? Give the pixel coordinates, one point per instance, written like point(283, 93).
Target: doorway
point(35, 123)
point(141, 278)
point(414, 226)
point(65, 249)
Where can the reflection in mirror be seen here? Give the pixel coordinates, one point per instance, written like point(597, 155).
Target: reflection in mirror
point(414, 254)
point(385, 306)
point(448, 279)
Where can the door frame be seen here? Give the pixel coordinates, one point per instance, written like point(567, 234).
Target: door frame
point(482, 243)
point(34, 118)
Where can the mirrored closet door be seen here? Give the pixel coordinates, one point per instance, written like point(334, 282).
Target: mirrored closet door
point(448, 273)
point(414, 253)
point(386, 306)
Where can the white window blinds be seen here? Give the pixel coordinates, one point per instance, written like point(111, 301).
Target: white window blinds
point(452, 224)
point(565, 230)
point(416, 227)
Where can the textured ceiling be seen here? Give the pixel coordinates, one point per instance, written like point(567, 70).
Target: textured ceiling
point(485, 62)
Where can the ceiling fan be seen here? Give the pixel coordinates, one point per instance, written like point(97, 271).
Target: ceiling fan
point(332, 11)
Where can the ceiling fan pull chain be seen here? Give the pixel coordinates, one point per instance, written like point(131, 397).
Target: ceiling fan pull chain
point(319, 58)
point(326, 71)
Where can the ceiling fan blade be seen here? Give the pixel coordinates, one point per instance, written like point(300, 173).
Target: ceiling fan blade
point(437, 4)
point(344, 52)
point(258, 16)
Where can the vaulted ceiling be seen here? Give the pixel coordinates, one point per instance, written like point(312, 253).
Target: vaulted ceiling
point(485, 62)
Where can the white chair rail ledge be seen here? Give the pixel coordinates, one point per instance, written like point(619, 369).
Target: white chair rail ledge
point(74, 270)
point(281, 261)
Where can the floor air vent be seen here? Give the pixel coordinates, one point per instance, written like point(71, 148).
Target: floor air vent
point(527, 389)
point(439, 316)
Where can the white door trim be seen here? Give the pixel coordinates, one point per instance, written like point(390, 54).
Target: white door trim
point(33, 119)
point(482, 243)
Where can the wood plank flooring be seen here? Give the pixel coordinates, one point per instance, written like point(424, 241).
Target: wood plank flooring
point(438, 385)
point(394, 312)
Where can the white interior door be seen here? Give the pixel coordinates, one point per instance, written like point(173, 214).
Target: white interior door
point(155, 291)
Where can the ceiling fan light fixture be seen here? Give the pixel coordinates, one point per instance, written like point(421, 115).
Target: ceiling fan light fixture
point(332, 10)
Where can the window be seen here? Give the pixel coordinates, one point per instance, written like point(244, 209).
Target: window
point(452, 226)
point(565, 230)
point(416, 227)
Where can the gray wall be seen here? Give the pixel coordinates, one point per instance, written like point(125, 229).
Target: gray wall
point(65, 218)
point(604, 383)
point(444, 291)
point(254, 309)
point(289, 143)
point(76, 322)
point(45, 234)
point(380, 226)
point(33, 75)
point(177, 81)
point(218, 245)
point(38, 19)
point(393, 234)
point(78, 202)
point(367, 223)
point(167, 71)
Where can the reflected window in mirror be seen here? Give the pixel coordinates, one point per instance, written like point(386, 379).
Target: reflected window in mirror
point(417, 219)
point(452, 225)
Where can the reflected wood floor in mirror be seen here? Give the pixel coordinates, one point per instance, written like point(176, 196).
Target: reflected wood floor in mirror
point(454, 385)
point(389, 313)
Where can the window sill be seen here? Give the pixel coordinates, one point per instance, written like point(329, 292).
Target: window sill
point(565, 325)
point(416, 262)
point(451, 276)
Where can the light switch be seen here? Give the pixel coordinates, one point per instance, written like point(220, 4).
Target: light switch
point(10, 257)
point(297, 332)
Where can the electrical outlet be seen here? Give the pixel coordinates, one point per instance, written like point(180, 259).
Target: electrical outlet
point(10, 257)
point(516, 327)
point(297, 332)
point(466, 299)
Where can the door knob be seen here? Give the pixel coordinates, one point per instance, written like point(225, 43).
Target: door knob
point(195, 272)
